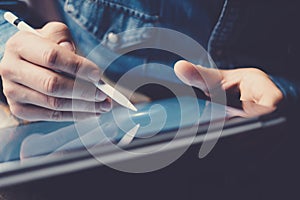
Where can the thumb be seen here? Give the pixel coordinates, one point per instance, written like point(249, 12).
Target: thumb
point(59, 33)
point(203, 78)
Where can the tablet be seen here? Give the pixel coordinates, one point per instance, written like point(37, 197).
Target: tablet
point(160, 132)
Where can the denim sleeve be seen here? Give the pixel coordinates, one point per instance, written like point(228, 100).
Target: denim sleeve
point(6, 31)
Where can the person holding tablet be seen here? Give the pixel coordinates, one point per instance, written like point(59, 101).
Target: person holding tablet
point(254, 45)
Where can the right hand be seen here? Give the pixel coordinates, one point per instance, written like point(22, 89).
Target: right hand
point(33, 87)
point(251, 84)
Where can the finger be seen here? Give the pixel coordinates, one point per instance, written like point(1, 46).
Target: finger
point(68, 45)
point(59, 34)
point(53, 84)
point(198, 76)
point(253, 109)
point(56, 32)
point(267, 99)
point(231, 79)
point(52, 56)
point(270, 99)
point(35, 113)
point(29, 96)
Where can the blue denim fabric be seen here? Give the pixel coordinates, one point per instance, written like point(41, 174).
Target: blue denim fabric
point(245, 34)
point(99, 18)
point(262, 34)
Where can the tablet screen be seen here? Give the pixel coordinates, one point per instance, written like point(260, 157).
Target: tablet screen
point(120, 126)
point(20, 146)
point(42, 138)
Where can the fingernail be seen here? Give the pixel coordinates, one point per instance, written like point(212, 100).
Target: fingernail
point(100, 96)
point(94, 76)
point(100, 82)
point(106, 106)
point(70, 46)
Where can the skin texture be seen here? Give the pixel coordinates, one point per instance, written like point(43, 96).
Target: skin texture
point(34, 88)
point(252, 84)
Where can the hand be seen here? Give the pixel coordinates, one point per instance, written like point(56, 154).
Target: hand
point(252, 84)
point(33, 87)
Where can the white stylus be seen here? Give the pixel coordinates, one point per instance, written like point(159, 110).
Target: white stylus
point(106, 88)
point(129, 136)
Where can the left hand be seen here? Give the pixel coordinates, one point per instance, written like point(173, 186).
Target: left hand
point(252, 84)
point(39, 82)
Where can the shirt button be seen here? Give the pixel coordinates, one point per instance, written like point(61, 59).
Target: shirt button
point(112, 37)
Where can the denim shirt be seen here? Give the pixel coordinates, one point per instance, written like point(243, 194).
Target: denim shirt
point(261, 34)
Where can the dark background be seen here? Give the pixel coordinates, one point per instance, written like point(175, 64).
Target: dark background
point(261, 164)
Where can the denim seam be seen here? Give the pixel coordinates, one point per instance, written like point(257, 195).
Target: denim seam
point(118, 8)
point(217, 27)
point(223, 30)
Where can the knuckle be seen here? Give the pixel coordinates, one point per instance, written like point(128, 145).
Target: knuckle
point(17, 110)
point(55, 27)
point(9, 92)
point(50, 56)
point(75, 67)
point(16, 42)
point(257, 71)
point(85, 94)
point(61, 27)
point(12, 42)
point(51, 85)
point(4, 70)
point(56, 115)
point(278, 94)
point(55, 103)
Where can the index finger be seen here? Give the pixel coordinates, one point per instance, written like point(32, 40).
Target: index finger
point(52, 56)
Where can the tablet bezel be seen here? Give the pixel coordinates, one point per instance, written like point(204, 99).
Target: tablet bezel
point(16, 172)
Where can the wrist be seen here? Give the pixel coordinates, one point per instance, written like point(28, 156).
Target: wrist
point(289, 91)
